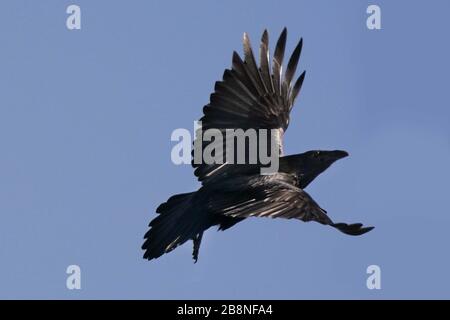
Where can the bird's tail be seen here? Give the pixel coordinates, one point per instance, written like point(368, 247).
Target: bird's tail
point(177, 223)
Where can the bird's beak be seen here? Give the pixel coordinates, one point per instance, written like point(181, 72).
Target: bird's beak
point(338, 154)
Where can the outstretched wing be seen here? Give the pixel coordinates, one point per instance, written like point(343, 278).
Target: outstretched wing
point(272, 196)
point(250, 97)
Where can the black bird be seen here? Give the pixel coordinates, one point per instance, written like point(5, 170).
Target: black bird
point(258, 97)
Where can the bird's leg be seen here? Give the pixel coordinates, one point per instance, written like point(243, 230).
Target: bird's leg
point(197, 240)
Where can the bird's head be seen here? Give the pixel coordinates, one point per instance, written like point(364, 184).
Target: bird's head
point(315, 162)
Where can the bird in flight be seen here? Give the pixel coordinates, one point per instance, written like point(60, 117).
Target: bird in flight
point(248, 97)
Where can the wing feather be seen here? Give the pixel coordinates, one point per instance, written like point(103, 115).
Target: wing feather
point(264, 66)
point(278, 61)
point(251, 97)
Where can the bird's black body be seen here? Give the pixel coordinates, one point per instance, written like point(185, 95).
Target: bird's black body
point(248, 97)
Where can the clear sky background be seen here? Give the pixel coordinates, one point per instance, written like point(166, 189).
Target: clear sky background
point(85, 124)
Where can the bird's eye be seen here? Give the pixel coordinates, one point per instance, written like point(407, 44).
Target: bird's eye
point(316, 154)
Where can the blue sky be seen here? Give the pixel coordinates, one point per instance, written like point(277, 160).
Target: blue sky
point(85, 124)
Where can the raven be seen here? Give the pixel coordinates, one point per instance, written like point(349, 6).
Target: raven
point(258, 97)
